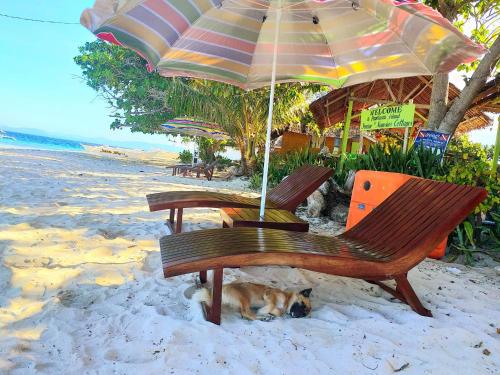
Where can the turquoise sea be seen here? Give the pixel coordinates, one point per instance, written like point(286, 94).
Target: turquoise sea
point(23, 140)
point(39, 142)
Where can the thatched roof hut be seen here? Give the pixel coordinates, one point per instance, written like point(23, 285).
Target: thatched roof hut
point(331, 109)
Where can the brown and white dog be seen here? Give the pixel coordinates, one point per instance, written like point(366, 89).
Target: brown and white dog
point(271, 302)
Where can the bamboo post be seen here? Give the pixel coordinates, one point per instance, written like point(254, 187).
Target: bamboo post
point(360, 150)
point(405, 141)
point(345, 134)
point(496, 153)
point(407, 131)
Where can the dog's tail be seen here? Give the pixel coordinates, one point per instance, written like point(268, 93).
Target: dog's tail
point(202, 295)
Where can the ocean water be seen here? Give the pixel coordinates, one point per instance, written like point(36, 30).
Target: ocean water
point(39, 142)
point(23, 140)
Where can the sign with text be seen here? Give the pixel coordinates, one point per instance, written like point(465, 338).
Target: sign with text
point(397, 116)
point(434, 140)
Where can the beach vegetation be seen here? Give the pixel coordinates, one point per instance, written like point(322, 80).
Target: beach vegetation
point(209, 149)
point(465, 163)
point(185, 157)
point(223, 162)
point(142, 101)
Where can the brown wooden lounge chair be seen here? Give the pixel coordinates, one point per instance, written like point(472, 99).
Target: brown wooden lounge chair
point(385, 245)
point(287, 195)
point(176, 167)
point(206, 169)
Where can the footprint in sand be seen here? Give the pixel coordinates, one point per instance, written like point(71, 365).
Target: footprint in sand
point(112, 355)
point(76, 299)
point(161, 310)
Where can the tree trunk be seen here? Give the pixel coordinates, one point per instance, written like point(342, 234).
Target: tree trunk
point(248, 158)
point(439, 100)
point(457, 110)
point(243, 158)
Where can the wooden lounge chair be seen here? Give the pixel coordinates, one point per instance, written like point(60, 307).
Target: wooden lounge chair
point(287, 195)
point(385, 245)
point(176, 167)
point(206, 169)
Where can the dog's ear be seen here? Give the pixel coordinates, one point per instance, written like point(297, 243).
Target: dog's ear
point(306, 292)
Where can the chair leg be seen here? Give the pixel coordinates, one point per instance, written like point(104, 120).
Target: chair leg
point(203, 277)
point(178, 226)
point(172, 215)
point(215, 310)
point(404, 288)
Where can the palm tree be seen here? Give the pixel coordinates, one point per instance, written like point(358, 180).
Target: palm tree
point(143, 101)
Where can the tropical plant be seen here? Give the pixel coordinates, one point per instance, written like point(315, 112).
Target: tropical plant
point(418, 161)
point(209, 148)
point(223, 162)
point(469, 163)
point(474, 237)
point(185, 156)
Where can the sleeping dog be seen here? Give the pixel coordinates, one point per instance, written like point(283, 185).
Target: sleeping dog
point(271, 302)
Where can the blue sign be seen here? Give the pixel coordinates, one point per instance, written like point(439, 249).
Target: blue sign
point(434, 140)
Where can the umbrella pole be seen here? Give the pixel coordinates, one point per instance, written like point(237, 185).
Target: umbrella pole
point(496, 152)
point(270, 117)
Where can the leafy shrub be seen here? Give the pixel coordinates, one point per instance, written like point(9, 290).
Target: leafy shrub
point(418, 161)
point(468, 163)
point(209, 148)
point(185, 156)
point(223, 162)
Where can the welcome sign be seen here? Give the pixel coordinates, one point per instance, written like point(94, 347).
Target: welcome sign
point(398, 116)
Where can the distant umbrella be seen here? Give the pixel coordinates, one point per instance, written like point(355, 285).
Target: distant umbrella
point(191, 127)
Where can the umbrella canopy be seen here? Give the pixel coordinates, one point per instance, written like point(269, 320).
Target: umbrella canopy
point(334, 42)
point(186, 126)
point(254, 43)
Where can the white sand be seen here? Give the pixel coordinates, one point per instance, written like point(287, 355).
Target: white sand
point(156, 157)
point(82, 291)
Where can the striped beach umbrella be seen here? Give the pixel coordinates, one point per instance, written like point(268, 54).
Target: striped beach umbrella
point(191, 127)
point(254, 43)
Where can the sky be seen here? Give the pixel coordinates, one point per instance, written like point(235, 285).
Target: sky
point(40, 86)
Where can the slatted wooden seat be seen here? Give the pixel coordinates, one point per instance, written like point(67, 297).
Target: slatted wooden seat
point(287, 195)
point(385, 245)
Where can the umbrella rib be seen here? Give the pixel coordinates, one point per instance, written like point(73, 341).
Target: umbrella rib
point(391, 29)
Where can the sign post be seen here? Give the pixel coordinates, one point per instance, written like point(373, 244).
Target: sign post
point(433, 140)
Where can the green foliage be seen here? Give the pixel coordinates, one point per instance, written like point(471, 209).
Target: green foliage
point(468, 163)
point(418, 161)
point(208, 148)
point(143, 101)
point(474, 237)
point(465, 163)
point(185, 156)
point(223, 162)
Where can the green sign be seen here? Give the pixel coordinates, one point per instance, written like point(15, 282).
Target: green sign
point(398, 116)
